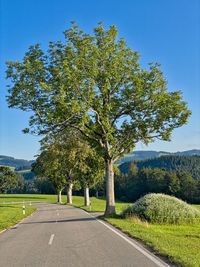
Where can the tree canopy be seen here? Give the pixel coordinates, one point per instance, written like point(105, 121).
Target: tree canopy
point(95, 84)
point(8, 179)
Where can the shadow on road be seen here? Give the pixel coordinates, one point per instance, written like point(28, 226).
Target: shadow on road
point(63, 221)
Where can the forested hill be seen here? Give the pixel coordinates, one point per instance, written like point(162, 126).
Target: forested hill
point(19, 164)
point(142, 155)
point(189, 164)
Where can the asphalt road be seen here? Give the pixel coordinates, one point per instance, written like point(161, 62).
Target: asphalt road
point(58, 235)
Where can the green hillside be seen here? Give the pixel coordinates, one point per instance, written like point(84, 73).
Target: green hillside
point(189, 164)
point(143, 155)
point(19, 164)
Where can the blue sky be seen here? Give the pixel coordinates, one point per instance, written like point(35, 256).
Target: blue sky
point(167, 32)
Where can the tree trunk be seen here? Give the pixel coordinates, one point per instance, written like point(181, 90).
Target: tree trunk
point(86, 196)
point(69, 193)
point(110, 195)
point(60, 197)
point(97, 194)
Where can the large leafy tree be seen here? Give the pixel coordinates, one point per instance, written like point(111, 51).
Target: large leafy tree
point(95, 84)
point(8, 179)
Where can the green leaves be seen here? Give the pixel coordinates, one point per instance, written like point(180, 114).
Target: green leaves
point(94, 83)
point(8, 179)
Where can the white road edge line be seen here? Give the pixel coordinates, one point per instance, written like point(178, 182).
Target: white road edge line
point(51, 239)
point(145, 253)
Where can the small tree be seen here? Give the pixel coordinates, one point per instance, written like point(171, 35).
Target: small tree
point(8, 179)
point(95, 84)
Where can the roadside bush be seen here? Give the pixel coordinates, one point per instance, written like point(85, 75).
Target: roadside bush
point(163, 209)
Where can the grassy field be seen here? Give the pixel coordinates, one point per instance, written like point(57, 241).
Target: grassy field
point(6, 198)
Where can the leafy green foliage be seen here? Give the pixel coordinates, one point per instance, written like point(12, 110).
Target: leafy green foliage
point(91, 172)
point(91, 83)
point(135, 184)
point(48, 170)
point(95, 81)
point(179, 163)
point(68, 159)
point(8, 179)
point(160, 208)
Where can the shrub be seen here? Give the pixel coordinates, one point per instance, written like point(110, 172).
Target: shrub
point(160, 208)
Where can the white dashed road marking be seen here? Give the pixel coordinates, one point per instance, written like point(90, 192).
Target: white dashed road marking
point(51, 239)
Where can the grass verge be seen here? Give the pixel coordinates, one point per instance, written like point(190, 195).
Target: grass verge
point(12, 214)
point(179, 243)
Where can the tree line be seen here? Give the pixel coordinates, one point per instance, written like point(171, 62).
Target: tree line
point(172, 162)
point(136, 183)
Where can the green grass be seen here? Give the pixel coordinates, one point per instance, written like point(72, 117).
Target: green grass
point(5, 198)
point(97, 204)
point(196, 206)
point(180, 243)
point(12, 214)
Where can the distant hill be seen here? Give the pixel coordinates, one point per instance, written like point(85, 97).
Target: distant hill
point(175, 162)
point(142, 155)
point(19, 164)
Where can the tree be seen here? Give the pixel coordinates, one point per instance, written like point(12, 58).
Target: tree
point(172, 183)
point(90, 172)
point(187, 186)
point(47, 166)
point(65, 158)
point(8, 179)
point(96, 85)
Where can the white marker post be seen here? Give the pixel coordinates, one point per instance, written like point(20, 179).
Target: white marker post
point(24, 212)
point(90, 206)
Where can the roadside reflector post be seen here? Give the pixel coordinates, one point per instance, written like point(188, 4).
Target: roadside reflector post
point(30, 203)
point(24, 212)
point(90, 206)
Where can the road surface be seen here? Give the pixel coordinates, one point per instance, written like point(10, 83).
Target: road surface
point(60, 235)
